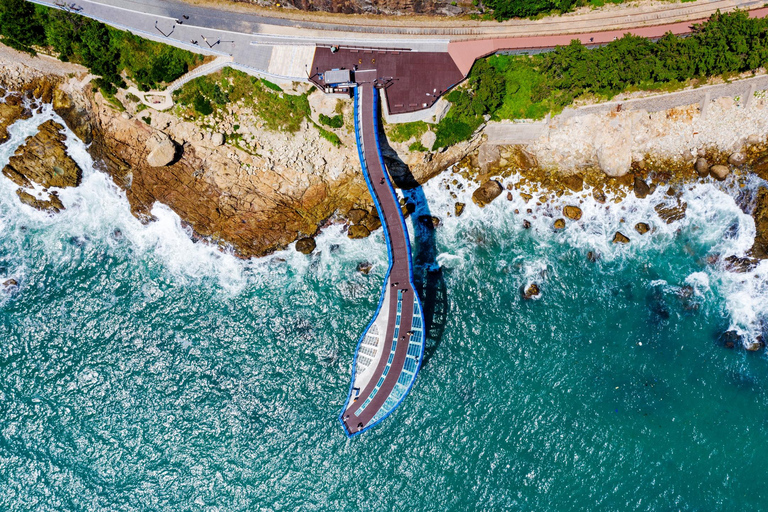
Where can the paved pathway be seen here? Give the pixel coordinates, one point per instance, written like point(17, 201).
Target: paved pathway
point(390, 352)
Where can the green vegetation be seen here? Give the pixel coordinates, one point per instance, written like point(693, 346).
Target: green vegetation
point(336, 121)
point(505, 9)
point(278, 110)
point(417, 146)
point(513, 87)
point(406, 131)
point(329, 136)
point(483, 97)
point(112, 100)
point(271, 85)
point(105, 51)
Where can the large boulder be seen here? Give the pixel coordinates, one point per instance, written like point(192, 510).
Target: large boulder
point(162, 150)
point(217, 139)
point(356, 215)
point(737, 159)
point(358, 232)
point(487, 192)
point(719, 172)
point(574, 182)
point(702, 167)
point(642, 228)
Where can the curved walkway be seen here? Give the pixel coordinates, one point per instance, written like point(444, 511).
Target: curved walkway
point(163, 100)
point(391, 349)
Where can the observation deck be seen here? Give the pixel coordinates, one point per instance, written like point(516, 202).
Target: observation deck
point(391, 349)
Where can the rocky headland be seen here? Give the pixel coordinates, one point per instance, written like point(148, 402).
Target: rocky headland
point(244, 186)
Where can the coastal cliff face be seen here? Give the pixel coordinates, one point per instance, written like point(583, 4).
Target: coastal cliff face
point(264, 189)
point(254, 202)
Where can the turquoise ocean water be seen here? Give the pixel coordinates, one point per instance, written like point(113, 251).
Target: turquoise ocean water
point(142, 371)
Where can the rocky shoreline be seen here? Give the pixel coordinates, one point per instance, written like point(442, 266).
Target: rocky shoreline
point(282, 187)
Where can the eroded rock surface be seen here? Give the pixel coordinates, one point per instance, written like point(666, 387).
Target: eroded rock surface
point(43, 160)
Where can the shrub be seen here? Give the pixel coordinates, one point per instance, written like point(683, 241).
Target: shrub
point(336, 121)
point(202, 105)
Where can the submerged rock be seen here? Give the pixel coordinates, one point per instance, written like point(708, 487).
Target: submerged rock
point(572, 212)
point(740, 265)
point(531, 292)
point(642, 228)
point(730, 339)
point(487, 192)
point(593, 256)
point(671, 213)
point(305, 245)
point(364, 267)
point(719, 172)
point(51, 204)
point(754, 346)
point(526, 224)
point(620, 238)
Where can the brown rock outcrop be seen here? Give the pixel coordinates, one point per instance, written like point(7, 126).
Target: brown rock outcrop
point(620, 238)
point(572, 212)
point(642, 228)
point(305, 245)
point(671, 213)
point(358, 232)
point(487, 192)
point(458, 209)
point(43, 159)
point(9, 114)
point(641, 188)
point(760, 246)
point(559, 224)
point(531, 292)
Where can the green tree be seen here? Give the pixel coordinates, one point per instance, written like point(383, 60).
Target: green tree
point(20, 25)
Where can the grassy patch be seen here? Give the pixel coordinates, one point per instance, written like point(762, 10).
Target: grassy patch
point(406, 131)
point(271, 85)
point(336, 121)
point(112, 100)
point(329, 136)
point(417, 146)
